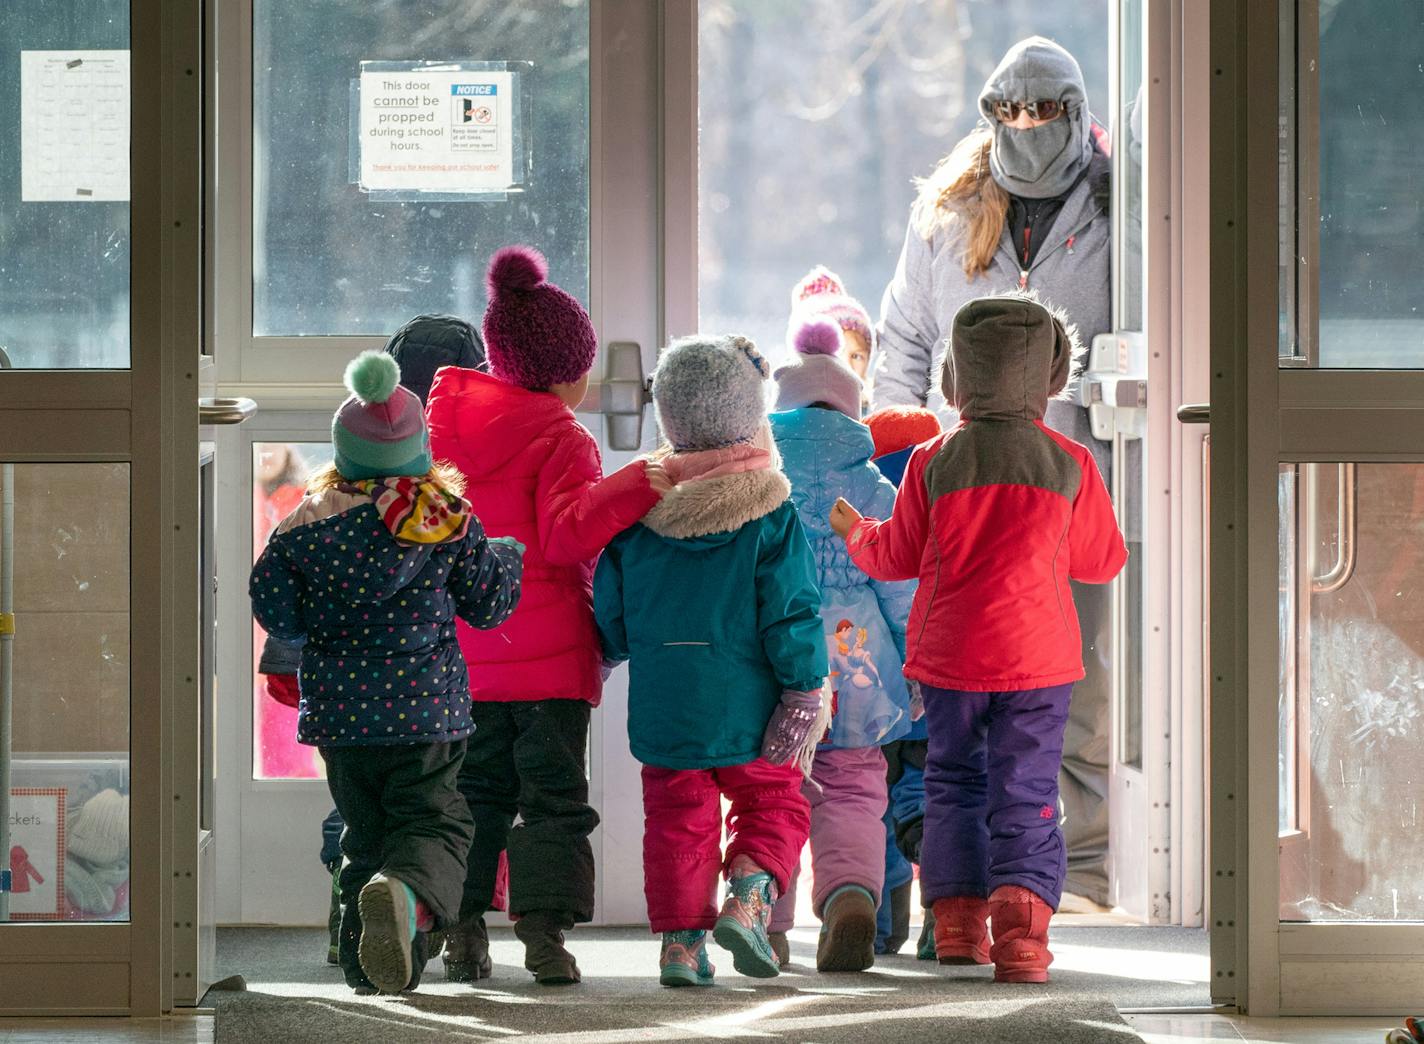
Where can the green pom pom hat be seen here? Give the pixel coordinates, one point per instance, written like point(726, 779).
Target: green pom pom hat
point(380, 430)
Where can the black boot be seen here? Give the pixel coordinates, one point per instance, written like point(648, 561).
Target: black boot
point(899, 917)
point(542, 933)
point(333, 916)
point(925, 950)
point(467, 956)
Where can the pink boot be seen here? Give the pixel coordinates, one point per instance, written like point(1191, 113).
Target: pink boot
point(961, 930)
point(1020, 919)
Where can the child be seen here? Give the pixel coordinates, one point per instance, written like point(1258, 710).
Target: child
point(821, 295)
point(826, 452)
point(534, 472)
point(995, 517)
point(714, 600)
point(897, 430)
point(369, 572)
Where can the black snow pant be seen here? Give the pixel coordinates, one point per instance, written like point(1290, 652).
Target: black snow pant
point(404, 819)
point(528, 759)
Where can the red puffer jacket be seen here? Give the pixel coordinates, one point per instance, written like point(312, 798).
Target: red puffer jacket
point(535, 474)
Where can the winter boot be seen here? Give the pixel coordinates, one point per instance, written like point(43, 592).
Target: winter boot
point(781, 946)
point(847, 942)
point(333, 916)
point(741, 927)
point(684, 961)
point(467, 956)
point(961, 934)
point(542, 933)
point(1020, 919)
point(925, 948)
point(899, 899)
point(391, 917)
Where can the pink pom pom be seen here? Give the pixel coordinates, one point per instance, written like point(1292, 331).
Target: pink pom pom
point(516, 268)
point(818, 337)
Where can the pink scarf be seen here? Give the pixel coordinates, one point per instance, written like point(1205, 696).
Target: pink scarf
point(706, 464)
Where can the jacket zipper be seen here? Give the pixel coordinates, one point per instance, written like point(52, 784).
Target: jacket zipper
point(1042, 257)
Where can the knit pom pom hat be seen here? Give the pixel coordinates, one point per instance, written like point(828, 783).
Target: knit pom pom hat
point(899, 427)
point(380, 430)
point(536, 335)
point(708, 392)
point(818, 374)
point(820, 293)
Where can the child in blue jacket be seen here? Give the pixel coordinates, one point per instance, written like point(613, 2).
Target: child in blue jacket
point(826, 452)
point(369, 573)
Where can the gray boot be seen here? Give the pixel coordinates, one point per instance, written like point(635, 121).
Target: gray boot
point(542, 933)
point(467, 956)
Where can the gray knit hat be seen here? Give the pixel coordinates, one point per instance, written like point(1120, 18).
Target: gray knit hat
point(818, 375)
point(708, 392)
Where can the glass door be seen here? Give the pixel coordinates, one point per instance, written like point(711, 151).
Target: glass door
point(1318, 495)
point(99, 528)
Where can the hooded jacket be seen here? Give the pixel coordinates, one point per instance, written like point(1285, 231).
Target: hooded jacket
point(380, 664)
point(826, 455)
point(534, 473)
point(996, 516)
point(713, 598)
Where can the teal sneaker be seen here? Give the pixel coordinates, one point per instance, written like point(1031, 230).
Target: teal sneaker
point(388, 925)
point(684, 961)
point(741, 927)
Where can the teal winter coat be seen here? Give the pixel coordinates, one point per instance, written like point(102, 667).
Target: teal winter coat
point(713, 599)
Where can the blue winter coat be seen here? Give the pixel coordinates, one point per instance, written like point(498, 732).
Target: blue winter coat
point(380, 663)
point(827, 455)
point(713, 598)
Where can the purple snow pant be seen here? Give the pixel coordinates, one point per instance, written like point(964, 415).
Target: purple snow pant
point(991, 793)
point(847, 829)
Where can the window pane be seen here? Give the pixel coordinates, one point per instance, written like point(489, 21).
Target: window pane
point(68, 817)
point(331, 257)
point(64, 158)
point(1354, 796)
point(807, 153)
point(279, 475)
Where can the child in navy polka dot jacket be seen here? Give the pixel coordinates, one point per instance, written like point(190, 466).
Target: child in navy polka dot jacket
point(370, 572)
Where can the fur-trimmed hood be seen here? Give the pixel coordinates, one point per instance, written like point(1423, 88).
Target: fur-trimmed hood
point(718, 507)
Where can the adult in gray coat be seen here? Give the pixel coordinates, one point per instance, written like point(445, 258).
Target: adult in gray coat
point(1021, 202)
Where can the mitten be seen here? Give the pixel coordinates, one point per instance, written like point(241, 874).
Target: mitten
point(509, 541)
point(917, 699)
point(796, 726)
point(606, 668)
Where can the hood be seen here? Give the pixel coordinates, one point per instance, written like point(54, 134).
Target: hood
point(491, 421)
point(1008, 355)
point(329, 529)
point(836, 441)
point(429, 342)
point(709, 512)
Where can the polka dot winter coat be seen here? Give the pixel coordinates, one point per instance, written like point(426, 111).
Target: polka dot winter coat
point(381, 662)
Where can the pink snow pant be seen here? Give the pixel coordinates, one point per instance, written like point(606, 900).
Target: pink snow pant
point(847, 829)
point(682, 834)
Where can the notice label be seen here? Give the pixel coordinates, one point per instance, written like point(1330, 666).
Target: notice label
point(36, 857)
point(74, 126)
point(441, 131)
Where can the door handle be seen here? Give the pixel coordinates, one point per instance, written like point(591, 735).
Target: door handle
point(1347, 521)
point(1194, 413)
point(225, 411)
point(622, 396)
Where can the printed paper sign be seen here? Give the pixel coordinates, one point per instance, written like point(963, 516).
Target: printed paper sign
point(74, 126)
point(445, 131)
point(37, 853)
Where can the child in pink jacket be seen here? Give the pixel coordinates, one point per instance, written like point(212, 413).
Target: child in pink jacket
point(533, 473)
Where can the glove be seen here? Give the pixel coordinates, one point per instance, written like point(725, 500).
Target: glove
point(917, 699)
point(909, 834)
point(789, 731)
point(509, 541)
point(607, 668)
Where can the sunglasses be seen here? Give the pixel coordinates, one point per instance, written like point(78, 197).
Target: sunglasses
point(1043, 109)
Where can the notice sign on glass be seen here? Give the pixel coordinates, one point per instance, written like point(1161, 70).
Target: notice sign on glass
point(74, 126)
point(451, 130)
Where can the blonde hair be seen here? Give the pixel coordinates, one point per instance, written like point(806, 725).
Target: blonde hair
point(945, 197)
point(442, 474)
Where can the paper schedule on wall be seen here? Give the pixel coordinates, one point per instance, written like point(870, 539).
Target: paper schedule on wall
point(74, 126)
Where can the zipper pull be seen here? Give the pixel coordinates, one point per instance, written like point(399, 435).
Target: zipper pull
point(1023, 279)
point(1071, 239)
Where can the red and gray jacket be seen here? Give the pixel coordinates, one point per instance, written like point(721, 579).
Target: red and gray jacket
point(996, 516)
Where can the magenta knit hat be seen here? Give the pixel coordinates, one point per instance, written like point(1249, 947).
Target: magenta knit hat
point(821, 294)
point(536, 335)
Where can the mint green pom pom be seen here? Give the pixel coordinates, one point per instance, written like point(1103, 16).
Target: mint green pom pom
point(372, 377)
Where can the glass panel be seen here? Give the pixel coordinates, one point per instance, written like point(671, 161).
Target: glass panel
point(1129, 455)
point(64, 184)
point(1358, 715)
point(65, 833)
point(807, 154)
point(279, 475)
point(1130, 133)
point(427, 255)
point(1358, 217)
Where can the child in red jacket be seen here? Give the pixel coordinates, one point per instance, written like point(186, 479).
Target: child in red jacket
point(533, 473)
point(995, 517)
